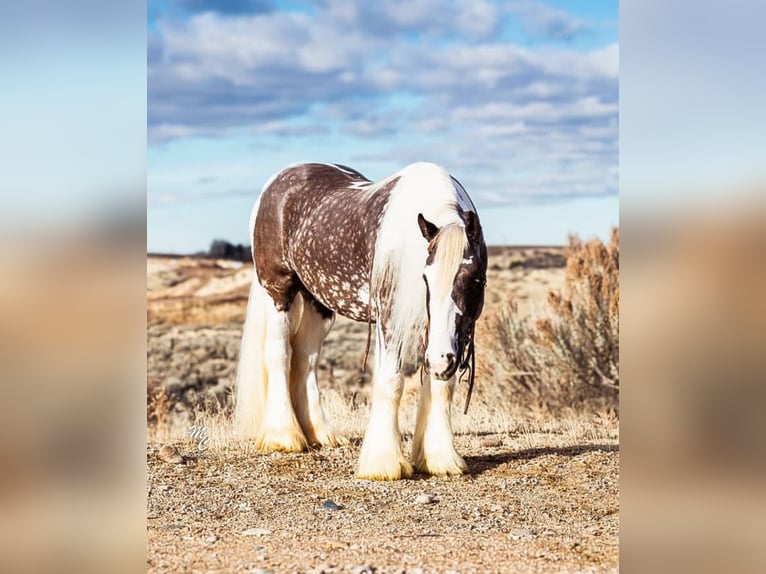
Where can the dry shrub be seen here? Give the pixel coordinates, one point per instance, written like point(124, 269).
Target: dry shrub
point(566, 355)
point(158, 406)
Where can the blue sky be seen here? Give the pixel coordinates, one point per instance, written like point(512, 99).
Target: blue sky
point(517, 99)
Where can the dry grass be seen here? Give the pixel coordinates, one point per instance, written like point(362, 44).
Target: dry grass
point(349, 413)
point(566, 354)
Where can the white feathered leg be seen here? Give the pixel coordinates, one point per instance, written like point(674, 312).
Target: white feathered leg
point(433, 449)
point(280, 430)
point(381, 456)
point(304, 389)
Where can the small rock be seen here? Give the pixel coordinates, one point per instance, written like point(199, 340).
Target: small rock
point(256, 570)
point(256, 532)
point(330, 505)
point(362, 569)
point(520, 533)
point(211, 539)
point(492, 442)
point(427, 498)
point(169, 453)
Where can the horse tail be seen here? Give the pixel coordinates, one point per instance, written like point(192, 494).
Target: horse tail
point(252, 377)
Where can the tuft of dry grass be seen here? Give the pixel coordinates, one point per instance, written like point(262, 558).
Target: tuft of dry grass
point(566, 355)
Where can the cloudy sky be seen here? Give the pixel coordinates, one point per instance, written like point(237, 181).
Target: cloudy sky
point(517, 99)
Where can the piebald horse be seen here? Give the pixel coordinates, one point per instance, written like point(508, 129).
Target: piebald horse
point(405, 253)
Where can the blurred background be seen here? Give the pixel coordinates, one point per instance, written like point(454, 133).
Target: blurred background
point(693, 335)
point(72, 253)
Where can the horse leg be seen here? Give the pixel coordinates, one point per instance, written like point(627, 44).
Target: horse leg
point(304, 390)
point(381, 456)
point(280, 430)
point(433, 449)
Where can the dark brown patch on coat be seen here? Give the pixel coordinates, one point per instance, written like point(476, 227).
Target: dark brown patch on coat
point(314, 233)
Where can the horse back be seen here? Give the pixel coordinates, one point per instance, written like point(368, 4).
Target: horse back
point(315, 233)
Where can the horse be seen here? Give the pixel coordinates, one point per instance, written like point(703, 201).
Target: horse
point(406, 254)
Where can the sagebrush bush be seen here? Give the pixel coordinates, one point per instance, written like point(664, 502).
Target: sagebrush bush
point(567, 354)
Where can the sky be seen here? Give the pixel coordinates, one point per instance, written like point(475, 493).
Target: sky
point(517, 99)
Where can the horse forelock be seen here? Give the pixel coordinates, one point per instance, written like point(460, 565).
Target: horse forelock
point(448, 248)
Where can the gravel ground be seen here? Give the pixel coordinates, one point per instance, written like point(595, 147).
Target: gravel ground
point(545, 509)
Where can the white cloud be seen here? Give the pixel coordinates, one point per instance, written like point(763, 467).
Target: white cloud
point(523, 122)
point(545, 21)
point(477, 18)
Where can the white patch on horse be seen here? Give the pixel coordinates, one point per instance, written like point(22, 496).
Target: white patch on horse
point(467, 261)
point(400, 249)
point(339, 168)
point(364, 294)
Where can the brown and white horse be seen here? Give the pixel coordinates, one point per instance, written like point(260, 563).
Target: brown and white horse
point(406, 253)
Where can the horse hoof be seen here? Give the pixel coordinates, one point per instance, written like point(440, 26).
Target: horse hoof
point(380, 470)
point(331, 440)
point(282, 440)
point(442, 464)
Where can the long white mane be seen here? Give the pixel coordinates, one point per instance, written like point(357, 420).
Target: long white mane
point(401, 251)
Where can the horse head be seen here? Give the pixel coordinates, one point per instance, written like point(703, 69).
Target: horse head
point(455, 275)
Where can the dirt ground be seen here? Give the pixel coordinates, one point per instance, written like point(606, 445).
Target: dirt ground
point(546, 509)
point(540, 495)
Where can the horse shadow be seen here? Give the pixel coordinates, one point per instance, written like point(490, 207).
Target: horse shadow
point(479, 464)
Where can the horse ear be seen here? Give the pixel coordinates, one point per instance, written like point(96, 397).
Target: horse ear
point(472, 227)
point(428, 229)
